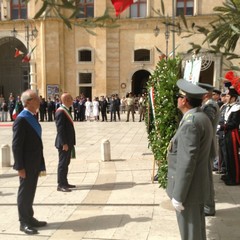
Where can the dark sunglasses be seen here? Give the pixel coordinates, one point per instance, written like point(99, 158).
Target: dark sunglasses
point(178, 95)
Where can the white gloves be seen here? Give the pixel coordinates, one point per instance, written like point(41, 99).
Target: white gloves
point(177, 205)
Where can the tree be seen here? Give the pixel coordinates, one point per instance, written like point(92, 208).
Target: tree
point(222, 34)
point(67, 10)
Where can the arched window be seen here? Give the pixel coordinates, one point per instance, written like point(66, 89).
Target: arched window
point(185, 7)
point(18, 9)
point(142, 55)
point(138, 9)
point(86, 8)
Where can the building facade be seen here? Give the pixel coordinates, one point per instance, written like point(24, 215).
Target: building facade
point(113, 60)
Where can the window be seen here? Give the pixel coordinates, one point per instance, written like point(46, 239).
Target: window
point(86, 8)
point(138, 9)
point(185, 7)
point(85, 78)
point(142, 55)
point(84, 55)
point(19, 9)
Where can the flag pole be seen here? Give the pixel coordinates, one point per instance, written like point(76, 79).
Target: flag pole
point(173, 23)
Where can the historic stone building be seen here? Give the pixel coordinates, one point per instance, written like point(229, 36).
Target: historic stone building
point(113, 60)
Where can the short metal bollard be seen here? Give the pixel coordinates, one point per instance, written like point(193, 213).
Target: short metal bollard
point(5, 156)
point(105, 150)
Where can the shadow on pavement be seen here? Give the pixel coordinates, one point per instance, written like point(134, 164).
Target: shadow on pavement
point(97, 223)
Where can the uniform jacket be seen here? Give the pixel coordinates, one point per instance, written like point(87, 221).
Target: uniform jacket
point(27, 147)
point(212, 110)
point(65, 130)
point(188, 157)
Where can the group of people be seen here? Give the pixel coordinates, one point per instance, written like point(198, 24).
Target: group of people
point(82, 108)
point(193, 153)
point(28, 156)
point(85, 110)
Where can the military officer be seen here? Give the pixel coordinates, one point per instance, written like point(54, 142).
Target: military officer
point(211, 108)
point(188, 157)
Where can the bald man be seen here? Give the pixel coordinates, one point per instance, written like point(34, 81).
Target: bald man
point(65, 141)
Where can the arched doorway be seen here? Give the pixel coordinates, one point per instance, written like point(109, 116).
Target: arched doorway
point(139, 81)
point(14, 74)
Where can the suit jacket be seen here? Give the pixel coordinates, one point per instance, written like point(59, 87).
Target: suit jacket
point(27, 147)
point(188, 158)
point(65, 130)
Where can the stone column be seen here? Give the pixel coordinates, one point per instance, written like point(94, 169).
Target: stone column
point(33, 82)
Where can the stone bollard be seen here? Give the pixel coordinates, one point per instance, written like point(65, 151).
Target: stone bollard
point(5, 156)
point(105, 150)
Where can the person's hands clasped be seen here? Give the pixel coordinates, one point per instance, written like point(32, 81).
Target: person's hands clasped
point(65, 147)
point(177, 205)
point(22, 173)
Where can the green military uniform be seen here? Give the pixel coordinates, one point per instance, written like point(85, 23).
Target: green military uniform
point(188, 158)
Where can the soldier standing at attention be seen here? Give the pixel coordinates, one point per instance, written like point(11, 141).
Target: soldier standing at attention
point(188, 158)
point(211, 108)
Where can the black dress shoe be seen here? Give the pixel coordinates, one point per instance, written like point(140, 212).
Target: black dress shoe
point(63, 189)
point(28, 229)
point(209, 214)
point(224, 177)
point(71, 186)
point(230, 183)
point(36, 223)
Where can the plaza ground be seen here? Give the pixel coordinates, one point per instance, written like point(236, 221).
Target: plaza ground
point(113, 200)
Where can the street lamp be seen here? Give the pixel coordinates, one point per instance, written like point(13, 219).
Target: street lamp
point(156, 32)
point(30, 34)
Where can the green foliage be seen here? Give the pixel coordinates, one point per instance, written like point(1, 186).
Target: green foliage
point(57, 8)
point(222, 34)
point(163, 80)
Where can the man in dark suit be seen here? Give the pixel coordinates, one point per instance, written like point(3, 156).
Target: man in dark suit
point(65, 141)
point(188, 158)
point(28, 160)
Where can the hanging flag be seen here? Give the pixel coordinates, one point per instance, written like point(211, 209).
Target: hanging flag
point(121, 5)
point(151, 110)
point(15, 111)
point(17, 52)
point(27, 58)
point(161, 54)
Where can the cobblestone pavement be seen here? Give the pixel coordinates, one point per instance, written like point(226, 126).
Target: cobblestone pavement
point(113, 200)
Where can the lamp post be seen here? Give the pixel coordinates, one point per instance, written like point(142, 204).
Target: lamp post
point(30, 34)
point(167, 32)
point(156, 31)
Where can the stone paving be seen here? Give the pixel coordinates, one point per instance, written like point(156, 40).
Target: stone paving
point(113, 200)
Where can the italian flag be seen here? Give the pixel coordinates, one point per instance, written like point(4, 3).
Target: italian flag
point(27, 58)
point(151, 110)
point(121, 5)
point(15, 111)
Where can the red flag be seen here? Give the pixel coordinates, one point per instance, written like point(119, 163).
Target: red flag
point(121, 5)
point(27, 57)
point(17, 52)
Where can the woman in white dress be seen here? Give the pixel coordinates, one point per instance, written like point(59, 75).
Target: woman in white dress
point(88, 110)
point(95, 104)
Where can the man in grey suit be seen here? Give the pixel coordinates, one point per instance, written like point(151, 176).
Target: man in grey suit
point(188, 157)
